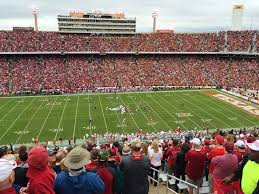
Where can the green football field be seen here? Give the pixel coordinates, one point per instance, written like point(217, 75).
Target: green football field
point(68, 116)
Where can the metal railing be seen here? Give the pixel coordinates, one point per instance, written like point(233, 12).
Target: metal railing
point(169, 177)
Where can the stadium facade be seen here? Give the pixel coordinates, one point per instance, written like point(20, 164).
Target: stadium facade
point(96, 23)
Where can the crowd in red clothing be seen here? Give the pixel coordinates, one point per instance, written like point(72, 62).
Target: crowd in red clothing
point(157, 42)
point(222, 158)
point(81, 73)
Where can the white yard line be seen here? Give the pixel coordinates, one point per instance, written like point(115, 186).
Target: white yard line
point(103, 114)
point(5, 104)
point(18, 139)
point(16, 119)
point(90, 116)
point(168, 111)
point(143, 114)
point(61, 118)
point(155, 112)
point(9, 111)
point(46, 118)
point(129, 113)
point(222, 121)
point(74, 132)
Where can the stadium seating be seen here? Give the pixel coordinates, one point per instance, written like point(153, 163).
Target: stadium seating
point(159, 42)
point(81, 73)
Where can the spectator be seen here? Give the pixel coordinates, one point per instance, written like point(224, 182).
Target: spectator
point(240, 151)
point(250, 178)
point(59, 157)
point(3, 151)
point(41, 178)
point(76, 180)
point(7, 176)
point(135, 168)
point(217, 151)
point(94, 153)
point(195, 164)
point(106, 173)
point(52, 161)
point(180, 162)
point(172, 152)
point(155, 155)
point(21, 170)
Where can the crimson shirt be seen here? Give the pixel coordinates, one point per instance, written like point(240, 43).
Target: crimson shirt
point(8, 191)
point(195, 164)
point(171, 152)
point(213, 153)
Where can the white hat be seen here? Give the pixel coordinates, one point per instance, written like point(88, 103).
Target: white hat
point(6, 168)
point(196, 141)
point(254, 146)
point(240, 144)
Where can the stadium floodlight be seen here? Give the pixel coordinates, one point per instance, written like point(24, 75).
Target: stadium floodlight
point(35, 12)
point(154, 15)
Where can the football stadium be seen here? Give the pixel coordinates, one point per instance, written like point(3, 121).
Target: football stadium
point(109, 103)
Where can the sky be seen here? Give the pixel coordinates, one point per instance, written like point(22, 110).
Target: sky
point(179, 15)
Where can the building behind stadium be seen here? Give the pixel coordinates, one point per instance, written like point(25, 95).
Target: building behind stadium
point(96, 23)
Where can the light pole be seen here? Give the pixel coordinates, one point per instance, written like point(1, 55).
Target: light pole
point(35, 12)
point(154, 15)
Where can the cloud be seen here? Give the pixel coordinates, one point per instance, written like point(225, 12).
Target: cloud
point(181, 15)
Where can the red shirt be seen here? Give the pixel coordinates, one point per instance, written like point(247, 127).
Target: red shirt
point(91, 165)
point(195, 164)
point(171, 152)
point(239, 155)
point(40, 181)
point(107, 177)
point(8, 191)
point(213, 153)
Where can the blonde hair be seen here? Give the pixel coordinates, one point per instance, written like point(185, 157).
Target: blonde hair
point(155, 146)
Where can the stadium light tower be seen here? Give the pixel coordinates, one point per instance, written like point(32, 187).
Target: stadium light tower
point(154, 15)
point(35, 12)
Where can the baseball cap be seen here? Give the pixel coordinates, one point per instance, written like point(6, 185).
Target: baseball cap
point(6, 168)
point(240, 144)
point(196, 141)
point(254, 146)
point(220, 139)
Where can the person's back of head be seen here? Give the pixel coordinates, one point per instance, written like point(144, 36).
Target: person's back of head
point(3, 151)
point(23, 155)
point(94, 154)
point(185, 147)
point(175, 142)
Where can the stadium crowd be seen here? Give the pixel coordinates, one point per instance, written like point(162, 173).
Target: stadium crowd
point(16, 41)
point(83, 73)
point(228, 160)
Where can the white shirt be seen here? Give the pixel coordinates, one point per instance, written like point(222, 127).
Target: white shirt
point(155, 157)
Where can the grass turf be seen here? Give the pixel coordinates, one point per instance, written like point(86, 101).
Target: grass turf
point(67, 116)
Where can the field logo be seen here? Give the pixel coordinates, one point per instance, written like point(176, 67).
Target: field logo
point(182, 114)
point(21, 132)
point(54, 104)
point(56, 130)
point(251, 109)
